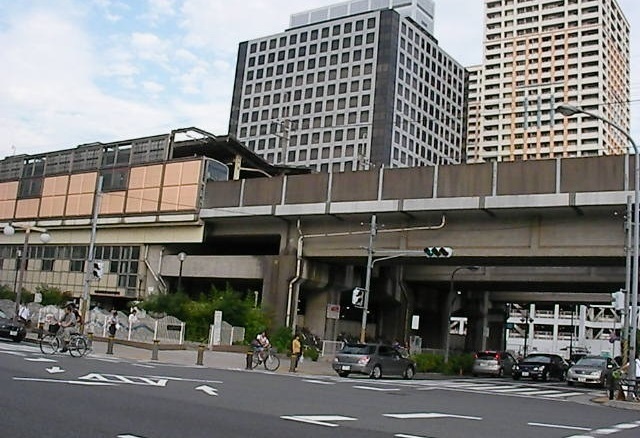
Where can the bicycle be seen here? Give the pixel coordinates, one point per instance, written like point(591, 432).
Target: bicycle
point(77, 347)
point(271, 362)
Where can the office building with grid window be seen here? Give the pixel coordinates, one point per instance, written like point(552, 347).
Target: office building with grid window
point(349, 86)
point(539, 54)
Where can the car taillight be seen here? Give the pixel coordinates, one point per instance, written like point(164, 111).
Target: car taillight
point(497, 357)
point(364, 360)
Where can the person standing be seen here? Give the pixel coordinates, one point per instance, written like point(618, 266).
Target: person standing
point(24, 315)
point(112, 322)
point(296, 352)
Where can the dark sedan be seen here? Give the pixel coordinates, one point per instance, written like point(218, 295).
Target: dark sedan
point(11, 329)
point(541, 366)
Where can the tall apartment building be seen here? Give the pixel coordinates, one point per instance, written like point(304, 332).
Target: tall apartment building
point(351, 85)
point(537, 55)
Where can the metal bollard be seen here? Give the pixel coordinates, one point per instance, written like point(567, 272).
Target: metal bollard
point(200, 354)
point(249, 360)
point(110, 344)
point(292, 364)
point(154, 350)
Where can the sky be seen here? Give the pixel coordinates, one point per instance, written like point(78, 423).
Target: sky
point(83, 71)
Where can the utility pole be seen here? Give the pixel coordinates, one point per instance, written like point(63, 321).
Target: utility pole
point(86, 297)
point(373, 230)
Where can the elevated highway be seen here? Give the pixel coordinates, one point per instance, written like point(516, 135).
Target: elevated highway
point(549, 230)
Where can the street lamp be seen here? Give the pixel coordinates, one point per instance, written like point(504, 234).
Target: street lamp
point(449, 303)
point(567, 111)
point(10, 230)
point(182, 257)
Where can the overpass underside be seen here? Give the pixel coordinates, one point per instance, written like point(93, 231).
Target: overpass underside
point(549, 255)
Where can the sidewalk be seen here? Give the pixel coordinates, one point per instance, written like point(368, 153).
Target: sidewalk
point(187, 355)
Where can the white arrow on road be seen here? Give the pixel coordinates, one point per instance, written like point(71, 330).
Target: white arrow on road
point(430, 415)
point(207, 390)
point(54, 370)
point(320, 420)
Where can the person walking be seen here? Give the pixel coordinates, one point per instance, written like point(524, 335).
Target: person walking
point(296, 352)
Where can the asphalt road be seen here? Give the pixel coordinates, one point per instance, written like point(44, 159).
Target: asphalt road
point(61, 396)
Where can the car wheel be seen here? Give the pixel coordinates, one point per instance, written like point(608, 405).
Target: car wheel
point(515, 376)
point(343, 374)
point(376, 373)
point(474, 374)
point(569, 383)
point(409, 373)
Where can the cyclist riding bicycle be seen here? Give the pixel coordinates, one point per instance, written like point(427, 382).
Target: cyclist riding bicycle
point(67, 326)
point(260, 343)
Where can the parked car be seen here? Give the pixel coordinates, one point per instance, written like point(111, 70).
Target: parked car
point(541, 366)
point(494, 363)
point(594, 370)
point(11, 329)
point(373, 360)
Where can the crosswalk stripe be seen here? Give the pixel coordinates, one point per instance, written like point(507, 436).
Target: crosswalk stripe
point(565, 394)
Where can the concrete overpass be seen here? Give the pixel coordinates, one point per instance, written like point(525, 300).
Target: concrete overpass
point(548, 230)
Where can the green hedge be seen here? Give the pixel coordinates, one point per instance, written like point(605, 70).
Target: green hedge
point(434, 363)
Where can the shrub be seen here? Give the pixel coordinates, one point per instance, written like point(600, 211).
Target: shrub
point(429, 362)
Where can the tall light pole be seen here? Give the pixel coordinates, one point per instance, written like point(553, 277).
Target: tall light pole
point(567, 111)
point(447, 311)
point(10, 230)
point(182, 256)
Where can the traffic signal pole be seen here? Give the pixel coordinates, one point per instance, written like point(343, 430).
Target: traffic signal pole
point(88, 267)
point(365, 306)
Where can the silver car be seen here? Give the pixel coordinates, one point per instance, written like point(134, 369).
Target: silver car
point(591, 370)
point(493, 363)
point(373, 360)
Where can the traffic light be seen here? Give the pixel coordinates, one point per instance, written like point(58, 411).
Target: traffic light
point(438, 251)
point(357, 297)
point(97, 270)
point(617, 299)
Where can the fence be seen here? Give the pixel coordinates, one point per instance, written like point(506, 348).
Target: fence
point(228, 334)
point(329, 348)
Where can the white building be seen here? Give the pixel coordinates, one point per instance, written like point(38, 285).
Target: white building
point(537, 55)
point(351, 85)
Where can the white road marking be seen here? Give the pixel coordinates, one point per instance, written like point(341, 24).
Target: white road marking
point(13, 353)
point(402, 435)
point(604, 431)
point(627, 425)
point(371, 388)
point(565, 394)
point(430, 415)
point(129, 436)
point(207, 390)
point(319, 420)
point(131, 380)
point(54, 370)
point(184, 379)
point(71, 382)
point(319, 382)
point(39, 359)
point(558, 426)
point(516, 390)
